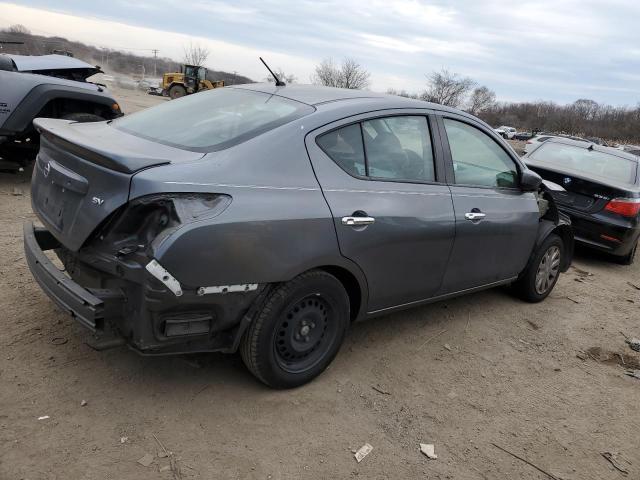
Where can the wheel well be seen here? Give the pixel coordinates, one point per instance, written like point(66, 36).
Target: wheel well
point(59, 107)
point(351, 285)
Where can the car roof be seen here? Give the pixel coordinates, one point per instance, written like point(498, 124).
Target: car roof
point(33, 63)
point(318, 95)
point(593, 146)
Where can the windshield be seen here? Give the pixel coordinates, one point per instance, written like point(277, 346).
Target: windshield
point(590, 162)
point(214, 119)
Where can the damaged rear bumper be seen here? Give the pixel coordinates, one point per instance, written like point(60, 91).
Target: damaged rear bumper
point(89, 307)
point(134, 307)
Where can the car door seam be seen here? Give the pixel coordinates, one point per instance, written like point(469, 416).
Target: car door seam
point(365, 293)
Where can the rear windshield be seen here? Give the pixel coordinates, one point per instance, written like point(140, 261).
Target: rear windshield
point(213, 120)
point(591, 162)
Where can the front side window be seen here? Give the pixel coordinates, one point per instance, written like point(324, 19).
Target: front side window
point(214, 119)
point(478, 159)
point(391, 148)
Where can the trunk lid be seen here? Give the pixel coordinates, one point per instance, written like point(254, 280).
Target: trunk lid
point(83, 174)
point(582, 194)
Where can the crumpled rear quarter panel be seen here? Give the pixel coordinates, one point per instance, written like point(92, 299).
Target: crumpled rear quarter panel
point(278, 223)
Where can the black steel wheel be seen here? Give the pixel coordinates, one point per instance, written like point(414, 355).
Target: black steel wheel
point(299, 330)
point(304, 334)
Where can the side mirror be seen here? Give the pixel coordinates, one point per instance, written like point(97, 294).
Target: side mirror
point(530, 181)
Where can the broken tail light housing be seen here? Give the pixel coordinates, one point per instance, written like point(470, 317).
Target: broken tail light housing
point(627, 207)
point(147, 221)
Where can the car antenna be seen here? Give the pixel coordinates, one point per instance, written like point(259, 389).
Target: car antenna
point(279, 83)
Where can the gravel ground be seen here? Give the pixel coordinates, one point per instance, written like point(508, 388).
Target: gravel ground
point(469, 375)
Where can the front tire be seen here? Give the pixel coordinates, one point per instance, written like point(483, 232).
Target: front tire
point(177, 91)
point(298, 331)
point(542, 272)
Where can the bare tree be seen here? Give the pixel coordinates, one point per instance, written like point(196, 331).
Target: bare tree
point(586, 108)
point(584, 118)
point(447, 88)
point(350, 74)
point(195, 54)
point(481, 99)
point(353, 75)
point(19, 29)
point(285, 77)
point(326, 74)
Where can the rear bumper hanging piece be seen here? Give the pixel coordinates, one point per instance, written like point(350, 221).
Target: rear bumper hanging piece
point(162, 274)
point(245, 287)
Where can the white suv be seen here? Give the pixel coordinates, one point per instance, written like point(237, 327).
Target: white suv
point(505, 132)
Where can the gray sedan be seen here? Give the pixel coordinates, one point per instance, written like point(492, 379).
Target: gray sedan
point(267, 219)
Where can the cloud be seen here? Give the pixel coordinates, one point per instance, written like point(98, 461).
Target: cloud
point(556, 50)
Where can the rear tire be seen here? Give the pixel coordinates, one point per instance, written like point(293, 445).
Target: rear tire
point(83, 117)
point(177, 91)
point(298, 331)
point(629, 258)
point(542, 272)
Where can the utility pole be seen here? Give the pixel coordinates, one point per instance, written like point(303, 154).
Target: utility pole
point(155, 57)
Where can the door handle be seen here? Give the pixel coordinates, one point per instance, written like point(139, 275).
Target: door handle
point(357, 221)
point(474, 216)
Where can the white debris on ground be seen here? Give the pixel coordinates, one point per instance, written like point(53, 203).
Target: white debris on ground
point(429, 450)
point(146, 460)
point(363, 452)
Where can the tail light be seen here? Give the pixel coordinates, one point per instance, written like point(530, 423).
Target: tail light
point(627, 207)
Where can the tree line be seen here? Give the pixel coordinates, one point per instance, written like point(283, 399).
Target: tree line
point(584, 117)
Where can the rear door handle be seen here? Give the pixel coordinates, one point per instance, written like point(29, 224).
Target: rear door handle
point(357, 221)
point(474, 215)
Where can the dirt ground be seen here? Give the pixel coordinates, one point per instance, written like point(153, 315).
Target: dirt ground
point(469, 375)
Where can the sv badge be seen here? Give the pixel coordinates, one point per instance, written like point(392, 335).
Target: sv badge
point(97, 201)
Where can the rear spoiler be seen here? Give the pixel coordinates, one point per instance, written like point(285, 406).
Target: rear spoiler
point(94, 148)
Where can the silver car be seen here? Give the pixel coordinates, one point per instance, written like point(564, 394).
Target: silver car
point(267, 219)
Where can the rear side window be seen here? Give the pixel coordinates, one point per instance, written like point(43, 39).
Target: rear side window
point(344, 146)
point(213, 120)
point(399, 148)
point(592, 162)
point(391, 148)
point(478, 159)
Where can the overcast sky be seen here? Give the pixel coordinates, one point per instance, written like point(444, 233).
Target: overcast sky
point(558, 50)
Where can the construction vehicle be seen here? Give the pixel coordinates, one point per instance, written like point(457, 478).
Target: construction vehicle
point(192, 79)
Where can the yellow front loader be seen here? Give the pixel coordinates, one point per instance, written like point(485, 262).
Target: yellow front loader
point(192, 79)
